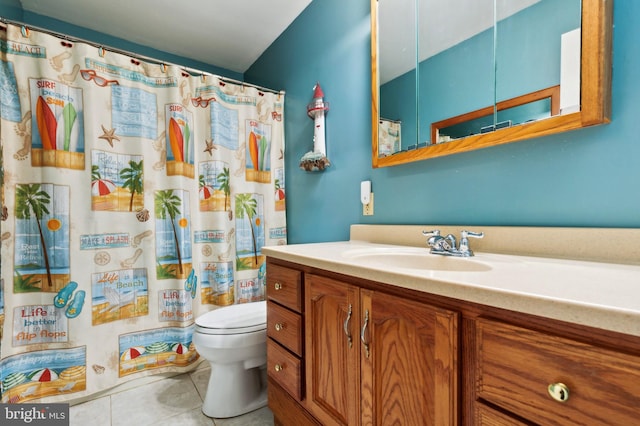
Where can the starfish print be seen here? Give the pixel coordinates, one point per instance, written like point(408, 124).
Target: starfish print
point(109, 135)
point(209, 147)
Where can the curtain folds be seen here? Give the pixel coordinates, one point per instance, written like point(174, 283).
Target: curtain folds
point(135, 197)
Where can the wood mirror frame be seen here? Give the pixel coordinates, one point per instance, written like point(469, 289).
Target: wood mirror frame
point(595, 98)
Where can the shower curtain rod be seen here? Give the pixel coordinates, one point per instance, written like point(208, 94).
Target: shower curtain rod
point(191, 71)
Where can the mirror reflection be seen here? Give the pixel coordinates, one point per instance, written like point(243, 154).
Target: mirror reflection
point(397, 29)
point(457, 68)
point(475, 59)
point(531, 45)
point(523, 109)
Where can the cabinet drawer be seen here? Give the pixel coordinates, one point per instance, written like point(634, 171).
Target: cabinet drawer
point(284, 285)
point(285, 327)
point(285, 369)
point(486, 416)
point(516, 366)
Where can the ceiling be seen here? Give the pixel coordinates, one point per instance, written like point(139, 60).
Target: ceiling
point(229, 34)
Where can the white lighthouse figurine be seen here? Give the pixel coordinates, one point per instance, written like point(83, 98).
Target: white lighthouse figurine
point(317, 159)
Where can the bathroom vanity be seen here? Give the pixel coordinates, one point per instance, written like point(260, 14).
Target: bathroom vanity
point(371, 331)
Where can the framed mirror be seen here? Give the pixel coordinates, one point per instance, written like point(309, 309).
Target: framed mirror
point(520, 72)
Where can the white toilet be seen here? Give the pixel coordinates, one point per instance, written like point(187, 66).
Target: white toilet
point(234, 341)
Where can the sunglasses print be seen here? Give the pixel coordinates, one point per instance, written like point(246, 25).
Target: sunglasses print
point(100, 81)
point(203, 103)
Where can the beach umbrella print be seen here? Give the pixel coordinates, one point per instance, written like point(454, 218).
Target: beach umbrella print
point(206, 192)
point(132, 353)
point(179, 348)
point(13, 379)
point(43, 375)
point(102, 187)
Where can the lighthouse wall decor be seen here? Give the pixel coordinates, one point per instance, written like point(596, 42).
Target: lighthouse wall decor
point(317, 160)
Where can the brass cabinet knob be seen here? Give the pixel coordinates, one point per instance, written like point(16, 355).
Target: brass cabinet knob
point(278, 367)
point(277, 286)
point(559, 391)
point(279, 326)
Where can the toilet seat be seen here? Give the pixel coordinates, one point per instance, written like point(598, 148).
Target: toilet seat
point(234, 319)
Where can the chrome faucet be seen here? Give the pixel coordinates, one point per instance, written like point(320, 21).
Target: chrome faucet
point(437, 242)
point(446, 246)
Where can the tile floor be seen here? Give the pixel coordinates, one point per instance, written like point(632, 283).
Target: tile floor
point(169, 401)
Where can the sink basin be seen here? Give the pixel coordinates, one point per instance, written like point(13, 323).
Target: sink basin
point(413, 258)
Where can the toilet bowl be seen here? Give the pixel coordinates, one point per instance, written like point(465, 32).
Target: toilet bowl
point(234, 341)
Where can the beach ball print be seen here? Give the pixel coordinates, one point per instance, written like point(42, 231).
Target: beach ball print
point(102, 187)
point(132, 353)
point(206, 192)
point(43, 375)
point(179, 348)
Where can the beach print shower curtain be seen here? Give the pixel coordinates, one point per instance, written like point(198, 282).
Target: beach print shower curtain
point(135, 197)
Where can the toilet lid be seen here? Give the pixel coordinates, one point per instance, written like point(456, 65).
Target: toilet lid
point(241, 318)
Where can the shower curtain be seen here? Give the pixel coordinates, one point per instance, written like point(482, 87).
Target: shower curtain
point(135, 197)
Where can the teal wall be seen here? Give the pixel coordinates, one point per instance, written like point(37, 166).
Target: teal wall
point(588, 177)
point(328, 43)
point(11, 9)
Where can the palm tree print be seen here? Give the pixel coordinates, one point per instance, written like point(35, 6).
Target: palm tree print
point(133, 179)
point(31, 198)
point(95, 173)
point(223, 179)
point(168, 205)
point(247, 205)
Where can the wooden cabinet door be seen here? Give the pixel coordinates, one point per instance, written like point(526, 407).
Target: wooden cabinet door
point(410, 375)
point(331, 357)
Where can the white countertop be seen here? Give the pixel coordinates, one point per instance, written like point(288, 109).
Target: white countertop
point(602, 295)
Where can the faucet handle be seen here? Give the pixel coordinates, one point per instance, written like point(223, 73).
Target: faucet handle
point(434, 237)
point(465, 234)
point(464, 242)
